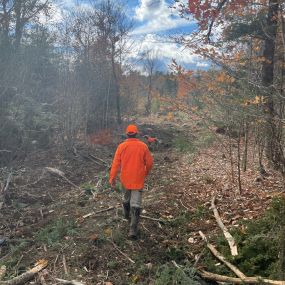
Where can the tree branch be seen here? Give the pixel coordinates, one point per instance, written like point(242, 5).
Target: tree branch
point(228, 236)
point(219, 8)
point(219, 256)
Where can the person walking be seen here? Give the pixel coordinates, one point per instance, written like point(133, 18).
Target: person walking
point(134, 161)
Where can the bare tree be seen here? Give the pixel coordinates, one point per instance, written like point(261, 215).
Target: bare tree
point(150, 64)
point(16, 14)
point(113, 28)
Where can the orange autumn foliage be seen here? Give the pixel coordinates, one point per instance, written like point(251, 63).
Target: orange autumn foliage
point(102, 137)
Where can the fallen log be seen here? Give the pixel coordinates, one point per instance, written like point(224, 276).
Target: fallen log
point(26, 276)
point(247, 280)
point(228, 236)
point(219, 256)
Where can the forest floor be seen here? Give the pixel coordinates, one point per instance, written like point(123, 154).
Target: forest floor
point(80, 230)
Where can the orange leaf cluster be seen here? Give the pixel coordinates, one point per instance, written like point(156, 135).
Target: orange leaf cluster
point(102, 137)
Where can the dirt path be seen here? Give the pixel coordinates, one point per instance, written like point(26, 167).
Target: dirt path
point(82, 233)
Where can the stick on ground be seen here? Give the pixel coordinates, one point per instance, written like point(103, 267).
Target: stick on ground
point(7, 182)
point(98, 212)
point(67, 282)
point(228, 236)
point(25, 277)
point(61, 174)
point(248, 280)
point(2, 271)
point(115, 246)
point(219, 256)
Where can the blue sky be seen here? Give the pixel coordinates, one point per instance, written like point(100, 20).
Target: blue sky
point(154, 24)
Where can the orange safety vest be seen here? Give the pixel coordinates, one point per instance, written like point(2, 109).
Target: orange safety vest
point(135, 161)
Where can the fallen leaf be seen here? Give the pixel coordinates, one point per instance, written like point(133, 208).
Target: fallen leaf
point(93, 237)
point(191, 240)
point(108, 232)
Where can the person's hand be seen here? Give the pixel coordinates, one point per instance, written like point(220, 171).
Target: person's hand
point(113, 183)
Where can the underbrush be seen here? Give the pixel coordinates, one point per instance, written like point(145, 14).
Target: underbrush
point(258, 245)
point(184, 144)
point(168, 274)
point(188, 144)
point(54, 234)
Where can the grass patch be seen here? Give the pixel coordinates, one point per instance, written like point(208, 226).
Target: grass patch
point(182, 219)
point(201, 213)
point(88, 188)
point(183, 144)
point(54, 233)
point(113, 265)
point(205, 139)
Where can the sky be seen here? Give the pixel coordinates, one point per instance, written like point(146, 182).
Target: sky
point(155, 24)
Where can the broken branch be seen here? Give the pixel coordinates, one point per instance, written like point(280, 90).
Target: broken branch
point(98, 212)
point(99, 159)
point(25, 277)
point(67, 282)
point(61, 174)
point(64, 264)
point(7, 182)
point(247, 280)
point(115, 246)
point(219, 256)
point(228, 236)
point(2, 271)
point(153, 219)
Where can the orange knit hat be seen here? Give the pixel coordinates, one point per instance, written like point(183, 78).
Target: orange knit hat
point(132, 129)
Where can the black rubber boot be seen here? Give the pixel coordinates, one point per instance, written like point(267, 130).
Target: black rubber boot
point(126, 210)
point(135, 218)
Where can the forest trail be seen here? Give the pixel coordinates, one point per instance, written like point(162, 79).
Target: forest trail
point(81, 231)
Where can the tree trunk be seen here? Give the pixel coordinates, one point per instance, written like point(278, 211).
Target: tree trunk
point(282, 253)
point(148, 104)
point(117, 88)
point(245, 153)
point(19, 24)
point(273, 145)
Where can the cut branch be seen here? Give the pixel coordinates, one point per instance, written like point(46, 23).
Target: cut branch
point(98, 212)
point(115, 246)
point(7, 182)
point(2, 271)
point(67, 282)
point(25, 277)
point(228, 236)
point(152, 219)
point(99, 159)
point(219, 256)
point(247, 280)
point(61, 174)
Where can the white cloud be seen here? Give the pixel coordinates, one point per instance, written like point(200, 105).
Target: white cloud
point(202, 64)
point(165, 50)
point(61, 7)
point(157, 16)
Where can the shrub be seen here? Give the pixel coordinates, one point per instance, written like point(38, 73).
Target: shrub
point(54, 233)
point(170, 275)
